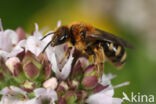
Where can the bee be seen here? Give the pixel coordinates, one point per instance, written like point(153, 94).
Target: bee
point(92, 42)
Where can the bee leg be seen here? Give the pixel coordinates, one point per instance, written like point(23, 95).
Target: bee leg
point(66, 55)
point(99, 60)
point(100, 68)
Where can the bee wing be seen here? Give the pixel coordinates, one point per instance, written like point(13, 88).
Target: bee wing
point(105, 36)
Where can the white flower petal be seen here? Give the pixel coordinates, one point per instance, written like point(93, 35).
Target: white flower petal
point(17, 90)
point(12, 100)
point(59, 23)
point(49, 93)
point(8, 39)
point(48, 38)
point(54, 63)
point(67, 68)
point(59, 51)
point(36, 27)
point(117, 101)
point(12, 35)
point(37, 34)
point(102, 98)
point(108, 91)
point(5, 42)
point(106, 79)
point(3, 54)
point(15, 51)
point(12, 90)
point(1, 26)
point(4, 91)
point(55, 55)
point(21, 43)
point(106, 96)
point(10, 96)
point(43, 91)
point(34, 45)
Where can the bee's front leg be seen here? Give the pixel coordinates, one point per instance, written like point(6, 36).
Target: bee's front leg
point(66, 55)
point(99, 59)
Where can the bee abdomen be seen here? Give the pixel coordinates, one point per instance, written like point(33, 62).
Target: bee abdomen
point(115, 53)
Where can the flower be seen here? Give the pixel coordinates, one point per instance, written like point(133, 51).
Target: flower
point(21, 34)
point(43, 96)
point(105, 96)
point(31, 66)
point(12, 95)
point(55, 54)
point(75, 79)
point(8, 41)
point(14, 65)
point(51, 83)
point(33, 43)
point(15, 95)
point(12, 90)
point(90, 79)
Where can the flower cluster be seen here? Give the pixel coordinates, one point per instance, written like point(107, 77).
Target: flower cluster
point(28, 76)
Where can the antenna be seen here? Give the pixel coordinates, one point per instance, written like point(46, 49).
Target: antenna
point(46, 46)
point(47, 35)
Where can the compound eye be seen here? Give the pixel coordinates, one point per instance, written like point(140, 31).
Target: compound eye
point(63, 39)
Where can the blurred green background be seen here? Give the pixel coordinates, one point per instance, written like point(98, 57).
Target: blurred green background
point(133, 20)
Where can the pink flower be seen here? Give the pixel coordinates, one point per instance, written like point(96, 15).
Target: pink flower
point(11, 95)
point(55, 54)
point(106, 95)
point(44, 95)
point(8, 42)
point(15, 95)
point(14, 65)
point(33, 43)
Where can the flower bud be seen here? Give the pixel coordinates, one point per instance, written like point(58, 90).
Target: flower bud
point(84, 62)
point(73, 84)
point(31, 66)
point(31, 71)
point(62, 88)
point(42, 58)
point(62, 101)
point(14, 65)
point(21, 34)
point(99, 88)
point(77, 71)
point(28, 86)
point(70, 97)
point(21, 54)
point(64, 85)
point(47, 70)
point(89, 82)
point(90, 79)
point(51, 83)
point(90, 71)
point(81, 96)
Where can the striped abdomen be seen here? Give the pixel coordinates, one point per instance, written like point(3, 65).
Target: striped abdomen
point(115, 53)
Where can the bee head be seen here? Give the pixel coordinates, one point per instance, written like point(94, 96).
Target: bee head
point(61, 35)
